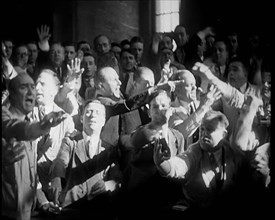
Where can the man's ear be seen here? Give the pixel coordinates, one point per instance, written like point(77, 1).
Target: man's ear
point(224, 133)
point(100, 86)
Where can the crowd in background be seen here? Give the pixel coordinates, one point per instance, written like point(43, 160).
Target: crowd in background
point(101, 130)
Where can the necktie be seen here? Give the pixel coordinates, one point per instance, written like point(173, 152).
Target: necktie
point(216, 169)
point(196, 133)
point(27, 118)
point(41, 112)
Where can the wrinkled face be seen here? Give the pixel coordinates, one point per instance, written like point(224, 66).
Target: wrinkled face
point(180, 36)
point(70, 53)
point(46, 89)
point(24, 96)
point(93, 118)
point(116, 50)
point(145, 81)
point(220, 53)
point(57, 55)
point(233, 43)
point(111, 85)
point(22, 56)
point(127, 61)
point(211, 135)
point(236, 74)
point(166, 55)
point(187, 90)
point(88, 63)
point(137, 50)
point(103, 45)
point(9, 47)
point(160, 110)
point(33, 52)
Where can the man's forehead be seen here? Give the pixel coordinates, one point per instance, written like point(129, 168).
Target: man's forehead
point(95, 106)
point(23, 79)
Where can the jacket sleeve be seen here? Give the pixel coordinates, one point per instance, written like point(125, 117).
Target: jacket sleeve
point(21, 130)
point(60, 164)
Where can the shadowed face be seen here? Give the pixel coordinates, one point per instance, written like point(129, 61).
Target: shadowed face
point(102, 45)
point(236, 74)
point(137, 50)
point(160, 110)
point(211, 134)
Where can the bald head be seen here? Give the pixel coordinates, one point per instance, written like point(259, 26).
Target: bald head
point(186, 91)
point(107, 82)
point(143, 79)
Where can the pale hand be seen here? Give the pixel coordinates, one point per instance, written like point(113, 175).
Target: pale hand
point(44, 34)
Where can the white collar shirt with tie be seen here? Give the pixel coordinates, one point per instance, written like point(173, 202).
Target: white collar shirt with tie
point(91, 144)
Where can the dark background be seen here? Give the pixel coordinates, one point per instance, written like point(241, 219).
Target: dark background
point(83, 20)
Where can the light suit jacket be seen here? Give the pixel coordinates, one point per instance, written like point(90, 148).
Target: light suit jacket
point(80, 171)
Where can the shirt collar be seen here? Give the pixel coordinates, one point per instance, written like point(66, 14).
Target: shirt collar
point(182, 103)
point(243, 88)
point(89, 138)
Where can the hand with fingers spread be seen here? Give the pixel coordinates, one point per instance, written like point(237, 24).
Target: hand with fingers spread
point(169, 86)
point(44, 34)
point(213, 94)
point(74, 72)
point(52, 119)
point(12, 151)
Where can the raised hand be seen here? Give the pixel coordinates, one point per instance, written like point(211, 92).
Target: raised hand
point(203, 71)
point(12, 151)
point(169, 86)
point(74, 72)
point(44, 33)
point(211, 96)
point(52, 119)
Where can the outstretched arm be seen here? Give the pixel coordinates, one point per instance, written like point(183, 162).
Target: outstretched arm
point(243, 134)
point(233, 96)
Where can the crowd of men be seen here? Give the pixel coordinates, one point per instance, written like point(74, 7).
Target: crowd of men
point(101, 130)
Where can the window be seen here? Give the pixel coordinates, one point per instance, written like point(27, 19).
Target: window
point(167, 15)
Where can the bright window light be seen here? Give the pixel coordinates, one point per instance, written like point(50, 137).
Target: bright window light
point(167, 15)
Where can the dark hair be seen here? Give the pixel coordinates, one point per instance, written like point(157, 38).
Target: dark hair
point(126, 50)
point(115, 44)
point(242, 59)
point(107, 59)
point(214, 118)
point(98, 36)
point(136, 39)
point(82, 42)
point(69, 43)
point(124, 42)
point(92, 54)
